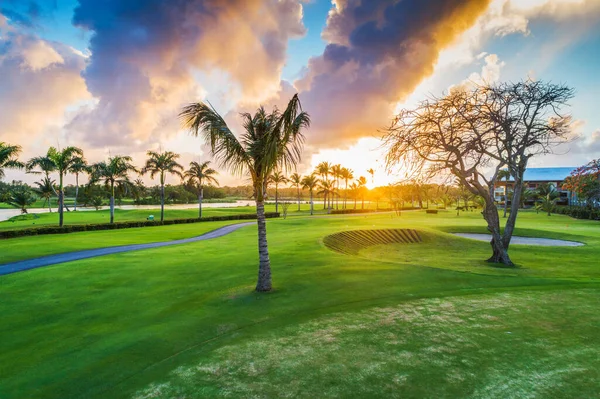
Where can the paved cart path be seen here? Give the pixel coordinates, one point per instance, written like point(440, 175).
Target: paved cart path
point(34, 263)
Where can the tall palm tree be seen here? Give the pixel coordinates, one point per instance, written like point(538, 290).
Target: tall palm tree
point(372, 173)
point(8, 157)
point(113, 173)
point(347, 174)
point(43, 163)
point(270, 141)
point(505, 174)
point(310, 182)
point(324, 169)
point(79, 166)
point(336, 172)
point(296, 181)
point(277, 178)
point(46, 190)
point(162, 163)
point(63, 161)
point(362, 185)
point(200, 174)
point(354, 189)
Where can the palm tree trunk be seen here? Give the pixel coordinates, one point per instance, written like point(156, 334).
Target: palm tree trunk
point(200, 197)
point(324, 201)
point(346, 194)
point(276, 199)
point(112, 203)
point(298, 190)
point(264, 266)
point(162, 202)
point(311, 203)
point(61, 200)
point(76, 191)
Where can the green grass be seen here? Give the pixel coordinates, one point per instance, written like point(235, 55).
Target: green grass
point(416, 320)
point(126, 215)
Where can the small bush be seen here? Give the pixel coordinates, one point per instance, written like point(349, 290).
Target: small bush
point(122, 225)
point(432, 211)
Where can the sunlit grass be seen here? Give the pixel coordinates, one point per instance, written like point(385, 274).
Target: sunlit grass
point(119, 325)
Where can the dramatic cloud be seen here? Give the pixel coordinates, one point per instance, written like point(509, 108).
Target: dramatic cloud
point(147, 57)
point(378, 52)
point(40, 79)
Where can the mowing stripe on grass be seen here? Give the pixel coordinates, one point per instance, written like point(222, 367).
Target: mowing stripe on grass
point(28, 264)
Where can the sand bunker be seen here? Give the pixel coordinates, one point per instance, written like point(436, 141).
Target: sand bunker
point(352, 242)
point(543, 242)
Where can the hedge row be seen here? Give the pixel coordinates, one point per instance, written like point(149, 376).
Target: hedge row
point(122, 225)
point(578, 212)
point(349, 211)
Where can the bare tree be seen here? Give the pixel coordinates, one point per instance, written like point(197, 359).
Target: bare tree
point(475, 133)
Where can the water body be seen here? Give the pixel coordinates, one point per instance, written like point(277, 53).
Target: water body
point(6, 214)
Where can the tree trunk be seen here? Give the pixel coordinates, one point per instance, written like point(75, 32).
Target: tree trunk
point(200, 198)
point(76, 191)
point(264, 267)
point(61, 201)
point(499, 252)
point(298, 190)
point(509, 228)
point(354, 202)
point(276, 199)
point(162, 202)
point(112, 203)
point(505, 199)
point(311, 203)
point(346, 195)
point(324, 201)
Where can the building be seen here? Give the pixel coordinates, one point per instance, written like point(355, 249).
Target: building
point(533, 178)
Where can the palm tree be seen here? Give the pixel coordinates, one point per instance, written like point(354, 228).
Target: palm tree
point(277, 178)
point(296, 181)
point(138, 190)
point(63, 160)
point(336, 172)
point(347, 174)
point(327, 188)
point(46, 190)
point(43, 163)
point(114, 173)
point(310, 182)
point(362, 185)
point(271, 141)
point(8, 157)
point(323, 169)
point(199, 174)
point(354, 189)
point(505, 174)
point(20, 196)
point(372, 173)
point(79, 166)
point(161, 163)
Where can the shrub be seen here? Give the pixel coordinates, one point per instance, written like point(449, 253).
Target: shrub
point(433, 211)
point(122, 225)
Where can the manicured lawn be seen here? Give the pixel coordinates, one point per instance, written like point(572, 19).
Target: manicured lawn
point(127, 215)
point(415, 320)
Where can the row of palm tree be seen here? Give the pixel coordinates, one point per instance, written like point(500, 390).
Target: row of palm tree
point(329, 188)
point(113, 173)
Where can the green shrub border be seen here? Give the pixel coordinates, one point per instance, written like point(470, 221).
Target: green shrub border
point(75, 228)
point(349, 211)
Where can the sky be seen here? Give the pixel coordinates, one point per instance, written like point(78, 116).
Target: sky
point(110, 76)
